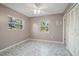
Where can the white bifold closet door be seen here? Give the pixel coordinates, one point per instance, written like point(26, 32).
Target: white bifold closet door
point(72, 30)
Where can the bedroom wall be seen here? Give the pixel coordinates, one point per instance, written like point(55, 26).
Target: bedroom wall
point(10, 37)
point(55, 28)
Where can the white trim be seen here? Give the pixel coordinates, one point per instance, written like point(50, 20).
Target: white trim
point(13, 45)
point(47, 41)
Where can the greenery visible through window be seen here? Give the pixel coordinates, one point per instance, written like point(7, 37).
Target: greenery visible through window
point(15, 23)
point(44, 25)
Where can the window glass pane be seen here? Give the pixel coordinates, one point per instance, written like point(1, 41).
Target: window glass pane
point(15, 23)
point(44, 25)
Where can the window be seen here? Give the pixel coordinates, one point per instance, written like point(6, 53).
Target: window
point(44, 25)
point(15, 23)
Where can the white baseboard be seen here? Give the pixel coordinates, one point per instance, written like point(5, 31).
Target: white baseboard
point(13, 45)
point(48, 41)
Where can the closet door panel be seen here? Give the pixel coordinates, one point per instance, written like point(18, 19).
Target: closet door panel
point(72, 30)
point(76, 30)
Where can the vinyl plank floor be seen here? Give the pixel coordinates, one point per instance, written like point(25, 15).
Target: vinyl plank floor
point(37, 48)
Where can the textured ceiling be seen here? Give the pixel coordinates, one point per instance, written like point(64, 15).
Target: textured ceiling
point(45, 8)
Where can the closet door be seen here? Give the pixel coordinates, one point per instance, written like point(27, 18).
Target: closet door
point(72, 30)
point(76, 31)
point(70, 25)
point(67, 28)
